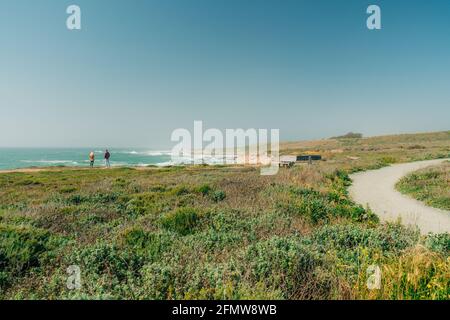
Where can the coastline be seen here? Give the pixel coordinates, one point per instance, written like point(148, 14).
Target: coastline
point(138, 168)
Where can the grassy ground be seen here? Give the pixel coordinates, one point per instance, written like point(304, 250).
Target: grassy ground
point(218, 232)
point(430, 185)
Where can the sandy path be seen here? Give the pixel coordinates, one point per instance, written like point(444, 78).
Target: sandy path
point(376, 188)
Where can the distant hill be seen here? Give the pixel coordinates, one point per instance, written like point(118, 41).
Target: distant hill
point(418, 141)
point(350, 135)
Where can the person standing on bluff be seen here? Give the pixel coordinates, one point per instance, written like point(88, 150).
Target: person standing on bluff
point(107, 156)
point(92, 158)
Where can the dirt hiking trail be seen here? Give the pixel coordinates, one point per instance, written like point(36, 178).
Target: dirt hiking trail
point(376, 188)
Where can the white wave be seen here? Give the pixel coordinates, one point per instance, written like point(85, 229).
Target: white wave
point(148, 153)
point(50, 161)
point(158, 153)
point(218, 159)
point(165, 164)
point(200, 159)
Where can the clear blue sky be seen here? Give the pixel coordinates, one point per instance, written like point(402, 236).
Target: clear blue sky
point(139, 69)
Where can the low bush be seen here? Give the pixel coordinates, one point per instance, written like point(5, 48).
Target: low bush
point(106, 268)
point(149, 244)
point(204, 189)
point(417, 274)
point(97, 198)
point(388, 238)
point(141, 204)
point(21, 249)
point(218, 196)
point(281, 263)
point(430, 185)
point(67, 189)
point(182, 221)
point(28, 182)
point(439, 243)
point(320, 207)
point(179, 190)
point(387, 160)
point(121, 183)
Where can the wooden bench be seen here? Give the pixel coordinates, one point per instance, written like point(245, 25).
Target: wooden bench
point(309, 158)
point(287, 161)
point(286, 164)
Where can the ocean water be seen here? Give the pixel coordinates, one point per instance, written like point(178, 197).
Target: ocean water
point(15, 158)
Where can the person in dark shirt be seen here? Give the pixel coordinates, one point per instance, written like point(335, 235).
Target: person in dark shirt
point(107, 156)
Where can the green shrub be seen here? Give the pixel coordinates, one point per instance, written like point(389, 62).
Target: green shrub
point(182, 221)
point(430, 185)
point(28, 182)
point(21, 249)
point(179, 190)
point(218, 196)
point(353, 245)
point(439, 243)
point(281, 263)
point(387, 160)
point(318, 207)
point(158, 188)
point(344, 177)
point(204, 189)
point(106, 263)
point(416, 274)
point(315, 208)
point(227, 229)
point(97, 198)
point(159, 280)
point(135, 206)
point(67, 189)
point(355, 212)
point(149, 244)
point(121, 183)
point(388, 237)
point(141, 204)
point(77, 199)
